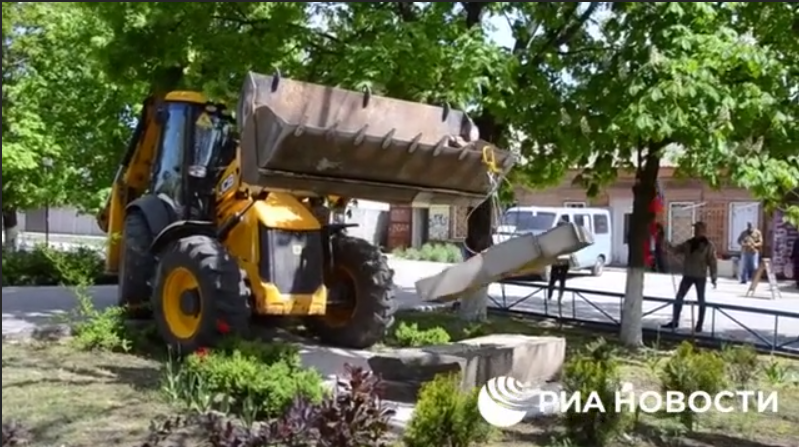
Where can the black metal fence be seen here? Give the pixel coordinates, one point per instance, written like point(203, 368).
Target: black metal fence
point(582, 306)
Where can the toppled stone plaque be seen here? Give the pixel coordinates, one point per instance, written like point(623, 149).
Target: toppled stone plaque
point(525, 358)
point(518, 255)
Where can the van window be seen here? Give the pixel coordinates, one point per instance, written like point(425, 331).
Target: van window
point(582, 220)
point(565, 218)
point(529, 221)
point(601, 224)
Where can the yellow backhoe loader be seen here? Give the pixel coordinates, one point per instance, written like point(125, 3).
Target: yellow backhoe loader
point(214, 219)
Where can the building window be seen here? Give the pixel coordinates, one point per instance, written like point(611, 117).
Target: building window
point(682, 217)
point(574, 204)
point(601, 224)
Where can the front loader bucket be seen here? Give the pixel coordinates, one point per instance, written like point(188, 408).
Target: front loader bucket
point(307, 138)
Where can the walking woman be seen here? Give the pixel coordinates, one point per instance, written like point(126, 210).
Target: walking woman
point(699, 259)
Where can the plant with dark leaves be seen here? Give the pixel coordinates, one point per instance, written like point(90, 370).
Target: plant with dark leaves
point(355, 416)
point(15, 435)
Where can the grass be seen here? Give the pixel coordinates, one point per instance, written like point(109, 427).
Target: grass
point(82, 399)
point(77, 399)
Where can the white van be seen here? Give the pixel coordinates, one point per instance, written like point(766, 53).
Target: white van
point(538, 219)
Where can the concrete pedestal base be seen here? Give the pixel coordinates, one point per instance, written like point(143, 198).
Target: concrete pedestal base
point(525, 358)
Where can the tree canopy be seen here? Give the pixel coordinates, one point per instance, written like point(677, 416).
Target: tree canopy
point(590, 85)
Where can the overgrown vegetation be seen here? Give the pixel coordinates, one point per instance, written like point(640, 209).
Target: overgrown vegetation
point(432, 252)
point(408, 335)
point(45, 266)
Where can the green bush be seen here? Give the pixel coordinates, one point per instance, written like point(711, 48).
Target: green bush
point(447, 416)
point(46, 266)
point(249, 379)
point(743, 364)
point(690, 370)
point(432, 252)
point(410, 336)
point(594, 370)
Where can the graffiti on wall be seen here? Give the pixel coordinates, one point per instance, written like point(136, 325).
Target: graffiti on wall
point(438, 223)
point(782, 244)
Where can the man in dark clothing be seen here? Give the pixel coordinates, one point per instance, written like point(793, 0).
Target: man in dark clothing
point(699, 258)
point(795, 260)
point(559, 272)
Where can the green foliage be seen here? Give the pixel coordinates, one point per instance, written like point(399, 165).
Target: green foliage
point(410, 336)
point(252, 380)
point(743, 364)
point(593, 370)
point(355, 416)
point(690, 370)
point(43, 266)
point(777, 373)
point(433, 252)
point(102, 330)
point(445, 415)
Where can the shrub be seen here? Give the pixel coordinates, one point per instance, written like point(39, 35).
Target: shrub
point(46, 266)
point(447, 416)
point(354, 416)
point(742, 364)
point(593, 370)
point(690, 370)
point(243, 378)
point(103, 330)
point(433, 252)
point(410, 336)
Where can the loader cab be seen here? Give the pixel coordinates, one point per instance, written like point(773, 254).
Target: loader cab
point(196, 143)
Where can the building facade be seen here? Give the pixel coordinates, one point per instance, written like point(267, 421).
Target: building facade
point(726, 212)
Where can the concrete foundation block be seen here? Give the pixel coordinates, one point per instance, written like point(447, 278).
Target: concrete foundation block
point(525, 358)
point(519, 254)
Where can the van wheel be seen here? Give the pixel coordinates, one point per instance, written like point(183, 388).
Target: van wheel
point(599, 267)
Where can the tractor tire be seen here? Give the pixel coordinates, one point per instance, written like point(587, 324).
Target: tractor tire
point(137, 268)
point(361, 276)
point(200, 295)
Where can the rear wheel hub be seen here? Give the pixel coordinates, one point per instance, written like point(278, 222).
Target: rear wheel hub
point(190, 302)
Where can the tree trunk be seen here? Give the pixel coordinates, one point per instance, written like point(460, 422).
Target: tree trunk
point(10, 228)
point(644, 192)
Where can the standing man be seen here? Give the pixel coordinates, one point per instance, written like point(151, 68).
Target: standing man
point(751, 241)
point(559, 272)
point(699, 258)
